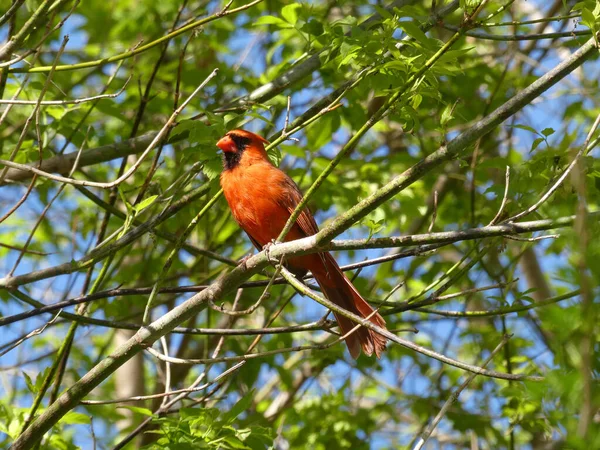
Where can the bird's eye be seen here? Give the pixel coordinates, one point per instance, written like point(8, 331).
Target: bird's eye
point(241, 142)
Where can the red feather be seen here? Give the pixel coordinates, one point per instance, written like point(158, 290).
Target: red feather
point(262, 198)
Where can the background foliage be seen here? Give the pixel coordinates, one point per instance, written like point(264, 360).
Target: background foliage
point(426, 73)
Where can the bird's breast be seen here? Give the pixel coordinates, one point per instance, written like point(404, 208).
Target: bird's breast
point(253, 194)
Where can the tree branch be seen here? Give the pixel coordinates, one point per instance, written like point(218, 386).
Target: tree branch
point(459, 144)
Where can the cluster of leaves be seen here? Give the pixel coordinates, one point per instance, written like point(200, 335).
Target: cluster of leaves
point(194, 428)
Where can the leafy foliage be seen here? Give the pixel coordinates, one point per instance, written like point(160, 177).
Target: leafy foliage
point(336, 64)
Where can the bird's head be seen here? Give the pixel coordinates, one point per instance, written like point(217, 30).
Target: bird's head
point(238, 144)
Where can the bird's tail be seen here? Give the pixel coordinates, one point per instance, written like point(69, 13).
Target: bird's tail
point(338, 289)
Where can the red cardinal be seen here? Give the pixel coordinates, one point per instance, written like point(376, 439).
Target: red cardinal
point(262, 198)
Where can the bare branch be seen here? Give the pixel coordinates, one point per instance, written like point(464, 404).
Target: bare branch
point(403, 342)
point(521, 37)
point(66, 102)
point(35, 332)
point(504, 198)
point(310, 244)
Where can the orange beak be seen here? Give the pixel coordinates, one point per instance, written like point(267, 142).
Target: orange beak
point(227, 145)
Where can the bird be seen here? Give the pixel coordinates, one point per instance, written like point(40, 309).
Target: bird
point(262, 198)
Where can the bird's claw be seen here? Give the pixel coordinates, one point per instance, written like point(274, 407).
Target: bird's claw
point(266, 248)
point(244, 260)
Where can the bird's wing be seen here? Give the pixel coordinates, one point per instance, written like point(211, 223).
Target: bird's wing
point(293, 197)
point(255, 242)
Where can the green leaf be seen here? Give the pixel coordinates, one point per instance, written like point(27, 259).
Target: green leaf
point(588, 19)
point(112, 110)
point(14, 429)
point(396, 64)
point(322, 130)
point(56, 112)
point(383, 12)
point(212, 168)
point(145, 203)
point(124, 200)
point(453, 55)
point(272, 20)
point(182, 127)
point(74, 417)
point(348, 51)
point(548, 131)
point(201, 133)
point(536, 143)
point(416, 100)
point(413, 30)
point(243, 433)
point(526, 128)
point(29, 383)
point(234, 443)
point(260, 117)
point(285, 377)
point(313, 27)
point(137, 410)
point(446, 115)
point(468, 5)
point(202, 152)
point(290, 12)
point(293, 150)
point(242, 405)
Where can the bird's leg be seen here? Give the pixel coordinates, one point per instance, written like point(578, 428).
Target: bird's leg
point(266, 248)
point(243, 260)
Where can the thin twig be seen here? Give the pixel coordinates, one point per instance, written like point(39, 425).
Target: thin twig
point(530, 21)
point(501, 311)
point(46, 209)
point(21, 249)
point(11, 11)
point(165, 346)
point(35, 332)
point(504, 198)
point(284, 133)
point(532, 239)
point(434, 213)
point(36, 109)
point(474, 290)
point(249, 356)
point(141, 48)
point(427, 433)
point(17, 205)
point(66, 102)
point(165, 395)
point(520, 37)
point(251, 309)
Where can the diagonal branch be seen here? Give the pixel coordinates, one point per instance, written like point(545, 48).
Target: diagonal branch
point(459, 144)
point(306, 245)
point(137, 50)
